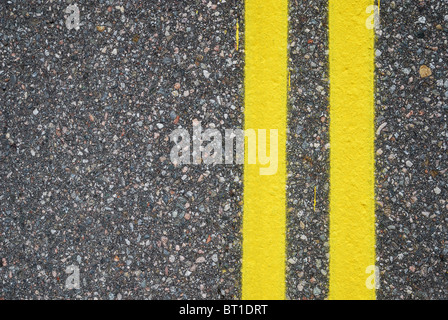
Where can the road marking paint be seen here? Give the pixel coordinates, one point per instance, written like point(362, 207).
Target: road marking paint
point(352, 207)
point(237, 35)
point(264, 215)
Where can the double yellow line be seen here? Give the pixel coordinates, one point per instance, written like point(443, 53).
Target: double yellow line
point(352, 217)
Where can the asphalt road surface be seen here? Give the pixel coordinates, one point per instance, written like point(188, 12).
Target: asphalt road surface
point(86, 181)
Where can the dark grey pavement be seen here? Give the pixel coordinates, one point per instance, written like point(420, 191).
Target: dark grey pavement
point(411, 155)
point(86, 179)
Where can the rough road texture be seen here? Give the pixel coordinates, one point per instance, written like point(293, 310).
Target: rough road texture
point(412, 111)
point(85, 174)
point(308, 151)
point(86, 177)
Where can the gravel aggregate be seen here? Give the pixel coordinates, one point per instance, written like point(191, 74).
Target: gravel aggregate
point(308, 151)
point(85, 118)
point(411, 150)
point(86, 178)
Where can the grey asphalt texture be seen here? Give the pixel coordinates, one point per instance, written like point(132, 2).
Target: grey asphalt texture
point(86, 177)
point(308, 151)
point(411, 150)
point(85, 173)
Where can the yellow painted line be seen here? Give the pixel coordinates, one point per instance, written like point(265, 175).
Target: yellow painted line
point(237, 35)
point(314, 202)
point(352, 207)
point(264, 215)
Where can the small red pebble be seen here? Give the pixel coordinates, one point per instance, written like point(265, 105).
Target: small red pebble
point(310, 41)
point(176, 120)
